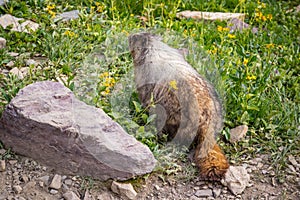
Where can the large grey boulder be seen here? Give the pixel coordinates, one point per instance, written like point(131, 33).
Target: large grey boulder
point(47, 123)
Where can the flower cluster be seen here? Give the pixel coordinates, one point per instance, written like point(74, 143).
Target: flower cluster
point(259, 16)
point(270, 46)
point(69, 33)
point(231, 36)
point(214, 50)
point(246, 61)
point(251, 77)
point(50, 9)
point(107, 83)
point(222, 29)
point(99, 7)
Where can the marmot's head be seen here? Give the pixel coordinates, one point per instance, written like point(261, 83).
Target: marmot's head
point(140, 44)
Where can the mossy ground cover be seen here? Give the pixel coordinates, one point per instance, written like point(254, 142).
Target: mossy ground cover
point(258, 73)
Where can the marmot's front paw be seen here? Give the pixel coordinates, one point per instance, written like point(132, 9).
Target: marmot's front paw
point(214, 166)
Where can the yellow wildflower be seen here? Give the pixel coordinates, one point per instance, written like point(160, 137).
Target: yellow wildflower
point(222, 29)
point(213, 51)
point(259, 15)
point(251, 77)
point(100, 7)
point(262, 5)
point(131, 15)
point(263, 18)
point(104, 74)
point(105, 92)
point(126, 32)
point(50, 7)
point(53, 14)
point(269, 17)
point(109, 82)
point(269, 46)
point(231, 36)
point(245, 62)
point(173, 84)
point(69, 33)
point(226, 29)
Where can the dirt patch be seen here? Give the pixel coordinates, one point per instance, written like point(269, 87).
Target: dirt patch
point(33, 181)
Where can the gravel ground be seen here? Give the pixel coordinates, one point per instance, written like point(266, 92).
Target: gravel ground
point(24, 178)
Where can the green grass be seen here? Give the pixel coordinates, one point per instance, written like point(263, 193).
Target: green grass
point(257, 75)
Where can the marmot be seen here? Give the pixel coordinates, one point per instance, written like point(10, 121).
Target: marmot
point(186, 103)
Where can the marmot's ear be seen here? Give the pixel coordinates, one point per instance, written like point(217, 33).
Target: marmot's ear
point(156, 37)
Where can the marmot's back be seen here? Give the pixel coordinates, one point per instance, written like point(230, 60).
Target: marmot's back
point(187, 104)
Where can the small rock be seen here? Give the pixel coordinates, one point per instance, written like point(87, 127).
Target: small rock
point(198, 15)
point(2, 43)
point(66, 16)
point(17, 189)
point(204, 193)
point(297, 9)
point(12, 162)
point(199, 183)
point(217, 192)
point(260, 165)
point(30, 62)
point(2, 151)
point(24, 178)
point(17, 72)
point(70, 196)
point(53, 191)
point(156, 187)
point(41, 184)
point(255, 161)
point(293, 161)
point(2, 166)
point(3, 2)
point(24, 70)
point(105, 196)
point(44, 179)
point(88, 196)
point(292, 168)
point(13, 54)
point(26, 26)
point(236, 179)
point(65, 188)
point(56, 182)
point(123, 189)
point(30, 185)
point(68, 182)
point(237, 133)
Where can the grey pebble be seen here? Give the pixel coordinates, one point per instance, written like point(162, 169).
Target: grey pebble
point(17, 189)
point(53, 191)
point(204, 193)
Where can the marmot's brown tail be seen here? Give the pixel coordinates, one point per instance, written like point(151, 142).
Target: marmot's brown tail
point(213, 166)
